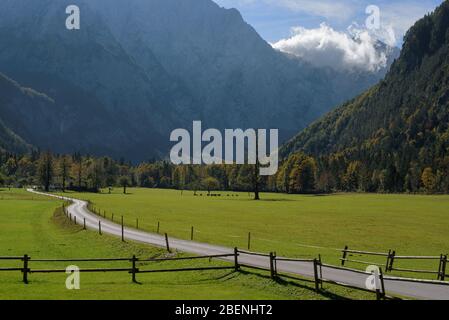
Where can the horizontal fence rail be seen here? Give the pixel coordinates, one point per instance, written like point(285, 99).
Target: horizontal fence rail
point(392, 258)
point(294, 260)
point(254, 253)
point(81, 260)
point(186, 258)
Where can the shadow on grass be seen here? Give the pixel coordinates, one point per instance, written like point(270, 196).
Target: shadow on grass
point(275, 200)
point(225, 277)
point(283, 282)
point(260, 200)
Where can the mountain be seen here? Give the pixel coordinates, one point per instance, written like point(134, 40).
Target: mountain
point(137, 70)
point(396, 134)
point(11, 142)
point(236, 76)
point(104, 103)
point(39, 118)
point(57, 124)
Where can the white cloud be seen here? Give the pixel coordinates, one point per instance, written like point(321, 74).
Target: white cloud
point(384, 33)
point(325, 47)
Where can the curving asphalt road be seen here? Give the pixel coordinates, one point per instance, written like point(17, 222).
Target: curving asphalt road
point(431, 290)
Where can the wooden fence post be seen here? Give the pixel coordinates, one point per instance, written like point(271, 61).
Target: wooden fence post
point(123, 231)
point(84, 223)
point(134, 269)
point(443, 269)
point(191, 234)
point(320, 263)
point(345, 253)
point(166, 242)
point(393, 254)
point(316, 276)
point(99, 227)
point(380, 292)
point(137, 223)
point(70, 217)
point(388, 261)
point(249, 240)
point(75, 220)
point(25, 268)
point(236, 259)
point(158, 226)
point(272, 265)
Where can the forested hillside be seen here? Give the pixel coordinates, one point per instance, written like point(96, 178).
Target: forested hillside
point(10, 141)
point(395, 136)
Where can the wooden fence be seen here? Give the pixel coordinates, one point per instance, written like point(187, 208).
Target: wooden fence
point(272, 260)
point(133, 269)
point(391, 258)
point(317, 266)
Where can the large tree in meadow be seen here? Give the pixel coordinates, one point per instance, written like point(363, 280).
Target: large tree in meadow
point(124, 181)
point(211, 184)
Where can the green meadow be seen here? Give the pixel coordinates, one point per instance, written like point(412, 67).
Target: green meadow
point(36, 226)
point(300, 226)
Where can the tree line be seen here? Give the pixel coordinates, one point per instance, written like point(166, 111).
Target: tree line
point(298, 173)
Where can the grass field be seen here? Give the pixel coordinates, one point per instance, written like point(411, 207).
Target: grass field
point(30, 224)
point(292, 225)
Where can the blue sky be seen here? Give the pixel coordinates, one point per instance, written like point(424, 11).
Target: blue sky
point(274, 19)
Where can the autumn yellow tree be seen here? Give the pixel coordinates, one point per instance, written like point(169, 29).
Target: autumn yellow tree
point(428, 180)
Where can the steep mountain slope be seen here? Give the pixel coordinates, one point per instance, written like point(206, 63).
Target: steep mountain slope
point(137, 70)
point(237, 77)
point(47, 123)
point(11, 142)
point(398, 128)
point(90, 76)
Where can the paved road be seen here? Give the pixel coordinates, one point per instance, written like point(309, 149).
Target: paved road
point(393, 286)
